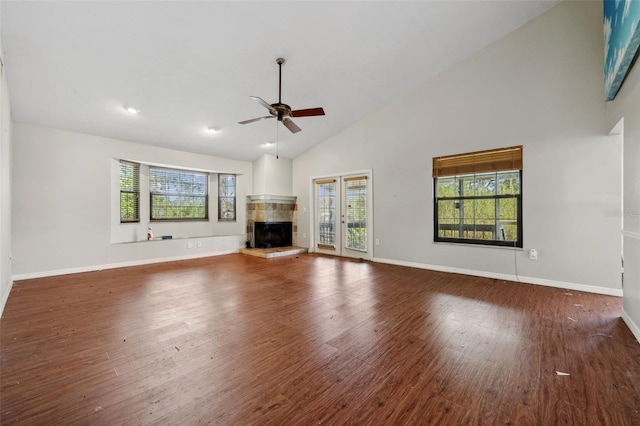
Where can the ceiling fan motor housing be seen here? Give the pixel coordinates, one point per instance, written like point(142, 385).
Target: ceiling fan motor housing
point(282, 110)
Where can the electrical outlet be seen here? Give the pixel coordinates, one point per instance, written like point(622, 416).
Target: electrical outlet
point(199, 244)
point(533, 254)
point(304, 235)
point(189, 245)
point(377, 241)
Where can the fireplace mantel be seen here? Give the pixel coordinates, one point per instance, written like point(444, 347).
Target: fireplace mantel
point(271, 198)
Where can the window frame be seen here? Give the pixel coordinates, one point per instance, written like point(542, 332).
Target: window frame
point(222, 199)
point(205, 197)
point(474, 165)
point(499, 243)
point(135, 190)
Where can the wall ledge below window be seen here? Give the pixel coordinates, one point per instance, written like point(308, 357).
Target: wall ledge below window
point(120, 255)
point(160, 239)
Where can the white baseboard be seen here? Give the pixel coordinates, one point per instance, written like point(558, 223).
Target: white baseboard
point(118, 265)
point(5, 297)
point(507, 277)
point(635, 328)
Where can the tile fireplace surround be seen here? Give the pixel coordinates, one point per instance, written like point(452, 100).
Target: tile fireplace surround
point(272, 208)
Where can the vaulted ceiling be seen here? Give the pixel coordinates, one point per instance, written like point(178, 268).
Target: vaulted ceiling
point(190, 66)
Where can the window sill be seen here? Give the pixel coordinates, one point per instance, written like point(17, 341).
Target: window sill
point(478, 245)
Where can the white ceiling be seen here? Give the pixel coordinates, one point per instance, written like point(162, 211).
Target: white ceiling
point(190, 65)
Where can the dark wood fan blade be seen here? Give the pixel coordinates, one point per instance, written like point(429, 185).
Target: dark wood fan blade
point(264, 104)
point(253, 120)
point(309, 112)
point(289, 124)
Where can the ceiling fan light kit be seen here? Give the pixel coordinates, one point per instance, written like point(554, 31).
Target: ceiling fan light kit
point(283, 112)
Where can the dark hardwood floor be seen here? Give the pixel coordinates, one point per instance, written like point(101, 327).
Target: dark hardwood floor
point(308, 339)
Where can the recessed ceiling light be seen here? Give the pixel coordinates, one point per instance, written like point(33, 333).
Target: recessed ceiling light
point(132, 110)
point(267, 144)
point(212, 130)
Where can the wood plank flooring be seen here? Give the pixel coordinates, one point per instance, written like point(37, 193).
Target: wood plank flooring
point(309, 339)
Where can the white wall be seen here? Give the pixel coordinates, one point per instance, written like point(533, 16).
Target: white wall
point(541, 87)
point(65, 204)
point(626, 106)
point(5, 190)
point(273, 175)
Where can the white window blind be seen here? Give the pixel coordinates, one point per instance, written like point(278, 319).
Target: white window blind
point(178, 194)
point(226, 197)
point(129, 192)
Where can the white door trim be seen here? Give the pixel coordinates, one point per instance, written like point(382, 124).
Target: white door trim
point(368, 255)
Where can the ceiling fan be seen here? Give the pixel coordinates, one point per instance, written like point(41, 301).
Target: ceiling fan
point(282, 111)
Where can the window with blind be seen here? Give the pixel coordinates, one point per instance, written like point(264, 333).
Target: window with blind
point(226, 197)
point(129, 192)
point(178, 194)
point(478, 197)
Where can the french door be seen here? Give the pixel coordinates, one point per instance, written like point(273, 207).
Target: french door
point(342, 217)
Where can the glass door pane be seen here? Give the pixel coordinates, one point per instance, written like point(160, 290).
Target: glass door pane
point(326, 211)
point(355, 190)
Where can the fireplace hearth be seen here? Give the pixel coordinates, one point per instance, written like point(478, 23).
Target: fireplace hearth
point(273, 234)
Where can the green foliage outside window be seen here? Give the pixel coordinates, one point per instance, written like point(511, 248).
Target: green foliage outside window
point(178, 194)
point(479, 208)
point(226, 197)
point(129, 192)
point(356, 213)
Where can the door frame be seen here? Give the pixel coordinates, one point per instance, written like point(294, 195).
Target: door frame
point(341, 251)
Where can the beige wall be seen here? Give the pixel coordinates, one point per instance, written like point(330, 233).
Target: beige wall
point(272, 175)
point(541, 87)
point(66, 216)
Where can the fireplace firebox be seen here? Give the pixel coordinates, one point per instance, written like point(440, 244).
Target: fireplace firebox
point(273, 234)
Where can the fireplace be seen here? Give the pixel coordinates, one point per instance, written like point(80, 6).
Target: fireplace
point(271, 210)
point(273, 234)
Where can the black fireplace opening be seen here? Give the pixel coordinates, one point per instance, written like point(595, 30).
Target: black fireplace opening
point(273, 234)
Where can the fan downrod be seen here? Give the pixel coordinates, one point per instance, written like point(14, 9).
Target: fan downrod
point(280, 61)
